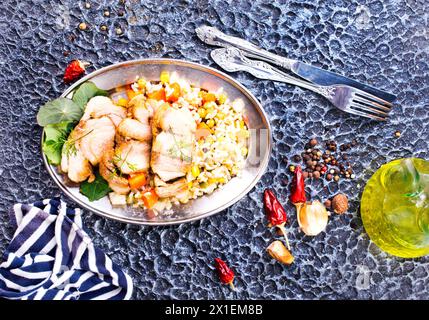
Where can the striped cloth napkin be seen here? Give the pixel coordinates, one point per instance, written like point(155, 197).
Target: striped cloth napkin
point(51, 257)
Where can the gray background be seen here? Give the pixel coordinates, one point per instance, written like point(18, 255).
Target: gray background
point(383, 43)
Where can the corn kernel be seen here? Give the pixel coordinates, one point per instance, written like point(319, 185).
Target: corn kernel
point(195, 171)
point(220, 139)
point(164, 77)
point(221, 180)
point(222, 98)
point(202, 112)
point(190, 184)
point(220, 115)
point(141, 83)
point(244, 151)
point(122, 102)
point(210, 123)
point(212, 181)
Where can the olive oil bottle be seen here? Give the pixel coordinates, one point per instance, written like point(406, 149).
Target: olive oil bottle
point(395, 207)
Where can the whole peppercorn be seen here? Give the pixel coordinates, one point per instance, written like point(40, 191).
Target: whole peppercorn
point(340, 203)
point(291, 168)
point(397, 133)
point(118, 31)
point(337, 178)
point(106, 13)
point(305, 174)
point(83, 26)
point(329, 177)
point(103, 28)
point(313, 142)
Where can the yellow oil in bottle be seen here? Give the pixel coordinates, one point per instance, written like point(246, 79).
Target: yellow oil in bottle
point(395, 207)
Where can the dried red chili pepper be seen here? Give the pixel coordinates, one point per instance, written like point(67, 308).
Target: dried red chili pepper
point(275, 212)
point(226, 275)
point(298, 187)
point(74, 70)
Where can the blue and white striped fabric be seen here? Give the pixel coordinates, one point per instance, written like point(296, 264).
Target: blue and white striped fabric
point(51, 257)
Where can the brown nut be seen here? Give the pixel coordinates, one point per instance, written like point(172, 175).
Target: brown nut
point(278, 251)
point(340, 203)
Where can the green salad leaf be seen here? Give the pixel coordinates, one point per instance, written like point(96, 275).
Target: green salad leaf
point(57, 111)
point(59, 116)
point(85, 92)
point(55, 137)
point(96, 189)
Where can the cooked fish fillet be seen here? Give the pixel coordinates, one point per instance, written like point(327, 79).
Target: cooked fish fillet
point(172, 189)
point(140, 109)
point(109, 172)
point(172, 147)
point(100, 106)
point(135, 129)
point(132, 156)
point(177, 121)
point(74, 163)
point(97, 136)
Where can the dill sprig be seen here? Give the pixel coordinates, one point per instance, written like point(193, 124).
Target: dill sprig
point(177, 149)
point(70, 145)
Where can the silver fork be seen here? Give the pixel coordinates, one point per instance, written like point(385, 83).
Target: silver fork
point(343, 97)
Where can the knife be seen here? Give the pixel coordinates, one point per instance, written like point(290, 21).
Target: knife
point(213, 36)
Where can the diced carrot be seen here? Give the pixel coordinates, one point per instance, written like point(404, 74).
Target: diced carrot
point(157, 95)
point(209, 97)
point(137, 181)
point(202, 133)
point(149, 198)
point(174, 96)
point(131, 93)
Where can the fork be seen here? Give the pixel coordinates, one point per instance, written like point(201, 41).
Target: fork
point(345, 98)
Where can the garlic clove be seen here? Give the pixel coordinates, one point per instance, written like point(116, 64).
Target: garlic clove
point(278, 251)
point(312, 218)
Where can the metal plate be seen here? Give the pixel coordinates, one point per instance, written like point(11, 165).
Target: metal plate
point(259, 142)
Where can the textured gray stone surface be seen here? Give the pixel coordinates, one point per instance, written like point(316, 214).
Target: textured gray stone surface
point(384, 43)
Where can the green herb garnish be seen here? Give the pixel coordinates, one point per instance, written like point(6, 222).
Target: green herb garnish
point(59, 116)
point(57, 111)
point(85, 92)
point(177, 150)
point(96, 189)
point(70, 145)
point(55, 137)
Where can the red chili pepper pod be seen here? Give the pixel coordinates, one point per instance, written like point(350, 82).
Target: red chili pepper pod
point(275, 212)
point(74, 70)
point(226, 275)
point(298, 187)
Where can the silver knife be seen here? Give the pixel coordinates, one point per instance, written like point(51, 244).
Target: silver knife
point(213, 36)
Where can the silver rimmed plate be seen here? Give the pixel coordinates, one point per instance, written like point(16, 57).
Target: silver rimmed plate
point(124, 73)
